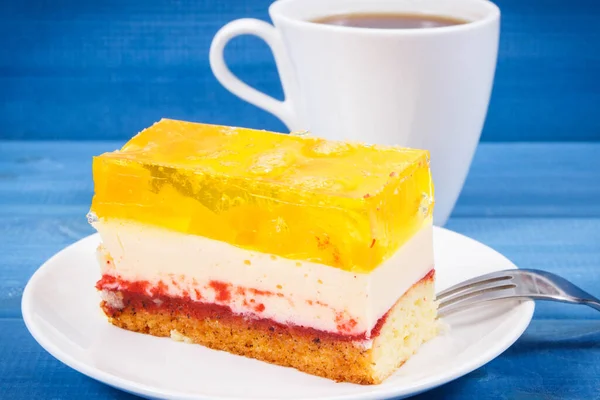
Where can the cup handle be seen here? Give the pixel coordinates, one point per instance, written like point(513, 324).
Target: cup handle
point(248, 26)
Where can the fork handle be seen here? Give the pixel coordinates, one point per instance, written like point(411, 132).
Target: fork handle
point(452, 308)
point(592, 303)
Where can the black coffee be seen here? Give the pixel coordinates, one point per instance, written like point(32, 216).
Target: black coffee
point(390, 21)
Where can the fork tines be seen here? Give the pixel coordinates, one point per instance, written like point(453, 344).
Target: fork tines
point(496, 285)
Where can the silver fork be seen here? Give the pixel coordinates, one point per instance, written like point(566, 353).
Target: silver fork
point(509, 284)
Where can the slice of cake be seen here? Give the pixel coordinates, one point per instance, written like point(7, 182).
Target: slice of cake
point(293, 250)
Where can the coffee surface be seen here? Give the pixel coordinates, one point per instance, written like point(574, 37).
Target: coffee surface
point(390, 20)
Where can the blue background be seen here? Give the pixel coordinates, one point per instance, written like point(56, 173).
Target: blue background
point(76, 69)
point(102, 70)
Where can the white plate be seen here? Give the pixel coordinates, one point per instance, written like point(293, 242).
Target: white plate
point(60, 309)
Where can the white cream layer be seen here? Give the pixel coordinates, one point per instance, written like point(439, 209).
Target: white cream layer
point(303, 293)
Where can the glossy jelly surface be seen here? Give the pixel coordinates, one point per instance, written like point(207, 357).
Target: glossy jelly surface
point(346, 205)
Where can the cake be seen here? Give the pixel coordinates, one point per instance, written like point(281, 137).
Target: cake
point(293, 250)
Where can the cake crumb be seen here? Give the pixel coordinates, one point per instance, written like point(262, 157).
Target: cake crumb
point(443, 327)
point(113, 299)
point(178, 337)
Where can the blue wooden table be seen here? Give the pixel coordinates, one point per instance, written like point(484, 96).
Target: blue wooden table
point(539, 204)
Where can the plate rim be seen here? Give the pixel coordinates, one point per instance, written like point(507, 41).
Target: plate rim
point(379, 392)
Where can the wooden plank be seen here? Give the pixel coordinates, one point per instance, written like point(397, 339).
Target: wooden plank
point(102, 70)
point(506, 180)
point(28, 372)
point(555, 359)
point(533, 180)
point(27, 239)
point(534, 203)
point(45, 191)
point(565, 246)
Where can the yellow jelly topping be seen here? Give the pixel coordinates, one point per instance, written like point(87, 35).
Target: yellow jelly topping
point(346, 205)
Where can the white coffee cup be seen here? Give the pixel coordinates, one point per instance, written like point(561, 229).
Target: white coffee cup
point(421, 88)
